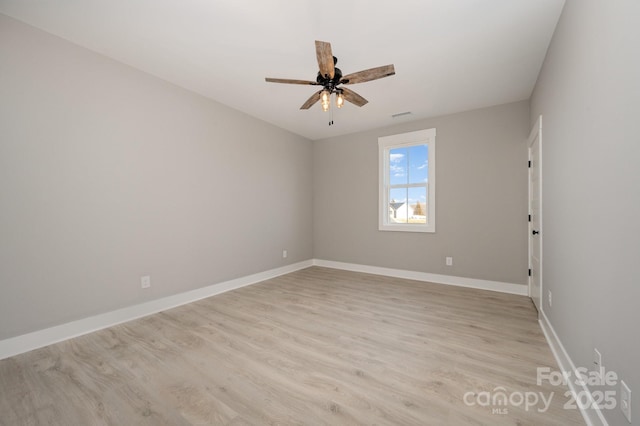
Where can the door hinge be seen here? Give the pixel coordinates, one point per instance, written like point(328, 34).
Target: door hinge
point(529, 271)
point(529, 164)
point(529, 218)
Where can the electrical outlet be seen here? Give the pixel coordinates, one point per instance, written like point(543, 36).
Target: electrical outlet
point(284, 254)
point(625, 400)
point(597, 363)
point(449, 260)
point(145, 282)
point(550, 299)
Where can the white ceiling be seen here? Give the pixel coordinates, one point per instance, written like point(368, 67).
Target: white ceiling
point(449, 55)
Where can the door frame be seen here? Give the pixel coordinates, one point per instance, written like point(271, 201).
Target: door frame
point(536, 131)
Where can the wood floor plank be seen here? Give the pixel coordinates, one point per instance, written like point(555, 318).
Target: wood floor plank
point(315, 347)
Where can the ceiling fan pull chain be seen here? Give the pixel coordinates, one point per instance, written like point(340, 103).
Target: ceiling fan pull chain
point(331, 112)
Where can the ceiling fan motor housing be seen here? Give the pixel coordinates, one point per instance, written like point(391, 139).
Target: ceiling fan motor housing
point(330, 83)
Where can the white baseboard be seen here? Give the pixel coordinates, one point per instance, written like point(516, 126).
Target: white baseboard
point(502, 287)
point(592, 416)
point(38, 339)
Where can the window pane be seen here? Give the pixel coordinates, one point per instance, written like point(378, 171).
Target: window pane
point(398, 158)
point(417, 205)
point(398, 205)
point(418, 165)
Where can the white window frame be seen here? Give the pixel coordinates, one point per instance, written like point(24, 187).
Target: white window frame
point(386, 144)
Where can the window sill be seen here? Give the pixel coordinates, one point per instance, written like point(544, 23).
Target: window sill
point(407, 228)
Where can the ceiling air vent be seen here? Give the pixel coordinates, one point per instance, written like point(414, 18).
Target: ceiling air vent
point(401, 114)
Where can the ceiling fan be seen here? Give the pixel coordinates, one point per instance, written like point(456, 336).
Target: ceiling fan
point(330, 78)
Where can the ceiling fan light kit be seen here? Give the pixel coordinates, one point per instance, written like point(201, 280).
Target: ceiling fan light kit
point(325, 97)
point(330, 78)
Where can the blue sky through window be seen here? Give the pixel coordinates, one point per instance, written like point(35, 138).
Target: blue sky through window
point(409, 165)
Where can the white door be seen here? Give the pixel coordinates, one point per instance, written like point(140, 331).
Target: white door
point(535, 217)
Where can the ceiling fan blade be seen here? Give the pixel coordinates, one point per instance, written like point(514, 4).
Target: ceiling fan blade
point(353, 97)
point(325, 58)
point(312, 100)
point(290, 81)
point(368, 75)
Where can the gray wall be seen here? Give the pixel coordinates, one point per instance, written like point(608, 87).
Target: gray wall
point(108, 174)
point(481, 198)
point(589, 95)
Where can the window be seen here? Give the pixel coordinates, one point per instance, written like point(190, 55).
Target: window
point(407, 176)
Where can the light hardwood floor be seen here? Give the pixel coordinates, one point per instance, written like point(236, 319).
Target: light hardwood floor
point(318, 346)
